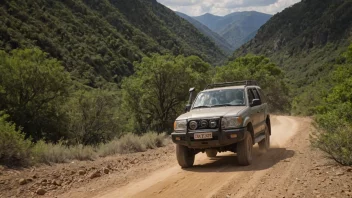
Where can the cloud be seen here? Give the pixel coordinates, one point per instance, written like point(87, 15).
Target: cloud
point(223, 7)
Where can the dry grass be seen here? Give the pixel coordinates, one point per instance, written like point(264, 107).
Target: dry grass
point(131, 143)
point(42, 152)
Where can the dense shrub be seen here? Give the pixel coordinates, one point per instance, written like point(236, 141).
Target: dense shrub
point(334, 114)
point(14, 149)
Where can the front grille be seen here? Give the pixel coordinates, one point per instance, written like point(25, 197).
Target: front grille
point(203, 124)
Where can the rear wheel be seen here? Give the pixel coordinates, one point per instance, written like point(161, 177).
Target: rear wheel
point(185, 156)
point(211, 152)
point(264, 145)
point(244, 150)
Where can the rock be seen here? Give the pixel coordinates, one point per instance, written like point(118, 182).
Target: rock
point(81, 172)
point(35, 176)
point(72, 172)
point(349, 169)
point(106, 170)
point(29, 180)
point(40, 191)
point(339, 173)
point(142, 155)
point(44, 181)
point(95, 174)
point(286, 160)
point(80, 180)
point(23, 181)
point(57, 182)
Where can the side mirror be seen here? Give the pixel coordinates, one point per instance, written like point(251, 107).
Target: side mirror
point(256, 102)
point(188, 108)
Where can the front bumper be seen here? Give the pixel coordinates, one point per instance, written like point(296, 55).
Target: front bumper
point(220, 138)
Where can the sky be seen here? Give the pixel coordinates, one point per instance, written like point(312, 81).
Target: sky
point(224, 7)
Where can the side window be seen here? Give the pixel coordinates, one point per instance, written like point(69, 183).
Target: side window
point(250, 96)
point(256, 94)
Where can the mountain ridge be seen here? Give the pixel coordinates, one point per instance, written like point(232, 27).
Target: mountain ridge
point(236, 28)
point(220, 41)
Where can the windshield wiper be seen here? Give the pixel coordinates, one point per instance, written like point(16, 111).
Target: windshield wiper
point(198, 107)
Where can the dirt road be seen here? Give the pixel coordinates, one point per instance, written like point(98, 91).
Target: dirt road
point(291, 168)
point(285, 171)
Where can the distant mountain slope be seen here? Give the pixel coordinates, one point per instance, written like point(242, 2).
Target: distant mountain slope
point(98, 40)
point(219, 41)
point(237, 28)
point(305, 38)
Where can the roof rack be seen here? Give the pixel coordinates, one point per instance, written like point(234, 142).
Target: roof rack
point(235, 83)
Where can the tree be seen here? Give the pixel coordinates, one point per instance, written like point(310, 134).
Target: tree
point(93, 117)
point(270, 78)
point(158, 90)
point(33, 88)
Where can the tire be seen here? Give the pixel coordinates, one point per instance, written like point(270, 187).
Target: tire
point(211, 152)
point(185, 156)
point(245, 150)
point(264, 145)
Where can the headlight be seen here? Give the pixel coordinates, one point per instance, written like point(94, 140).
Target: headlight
point(231, 122)
point(180, 125)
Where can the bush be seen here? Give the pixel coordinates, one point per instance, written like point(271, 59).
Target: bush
point(153, 140)
point(14, 149)
point(60, 153)
point(336, 143)
point(130, 143)
point(110, 148)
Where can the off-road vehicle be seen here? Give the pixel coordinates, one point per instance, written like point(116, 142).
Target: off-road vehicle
point(223, 117)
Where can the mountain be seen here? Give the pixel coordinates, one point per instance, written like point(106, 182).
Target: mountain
point(236, 28)
point(306, 39)
point(100, 40)
point(218, 40)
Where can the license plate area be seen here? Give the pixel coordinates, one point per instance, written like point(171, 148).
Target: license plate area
point(203, 136)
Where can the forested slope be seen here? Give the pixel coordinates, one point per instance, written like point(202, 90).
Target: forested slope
point(305, 39)
point(99, 40)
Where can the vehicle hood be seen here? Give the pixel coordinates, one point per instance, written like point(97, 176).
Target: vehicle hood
point(212, 112)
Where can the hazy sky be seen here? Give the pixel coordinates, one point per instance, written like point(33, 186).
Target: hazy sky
point(223, 7)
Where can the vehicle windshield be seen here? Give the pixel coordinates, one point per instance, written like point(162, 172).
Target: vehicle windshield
point(218, 98)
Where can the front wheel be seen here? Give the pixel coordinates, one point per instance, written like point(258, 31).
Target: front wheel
point(244, 150)
point(185, 156)
point(264, 145)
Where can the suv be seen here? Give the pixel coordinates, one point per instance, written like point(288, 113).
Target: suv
point(224, 117)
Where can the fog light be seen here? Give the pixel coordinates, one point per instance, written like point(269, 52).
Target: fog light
point(233, 135)
point(178, 138)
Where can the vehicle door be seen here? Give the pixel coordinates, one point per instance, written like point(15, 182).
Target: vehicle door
point(261, 108)
point(255, 115)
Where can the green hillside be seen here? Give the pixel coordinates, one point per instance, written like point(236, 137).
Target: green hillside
point(99, 40)
point(305, 39)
